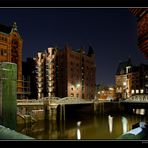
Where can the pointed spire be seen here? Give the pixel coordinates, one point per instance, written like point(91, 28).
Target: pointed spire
point(14, 27)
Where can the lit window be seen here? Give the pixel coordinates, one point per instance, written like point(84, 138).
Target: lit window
point(137, 91)
point(72, 95)
point(141, 91)
point(111, 88)
point(132, 91)
point(5, 52)
point(124, 83)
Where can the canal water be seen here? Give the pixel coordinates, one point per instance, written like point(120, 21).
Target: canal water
point(98, 127)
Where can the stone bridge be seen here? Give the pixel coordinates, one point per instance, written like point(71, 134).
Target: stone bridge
point(45, 108)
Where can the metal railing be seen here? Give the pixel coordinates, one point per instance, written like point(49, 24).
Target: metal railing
point(54, 100)
point(138, 98)
point(30, 102)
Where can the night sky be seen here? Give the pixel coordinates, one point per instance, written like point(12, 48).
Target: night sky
point(112, 32)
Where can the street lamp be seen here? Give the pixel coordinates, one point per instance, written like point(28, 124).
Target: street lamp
point(77, 85)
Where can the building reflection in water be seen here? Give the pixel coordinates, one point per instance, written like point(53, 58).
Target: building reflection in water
point(103, 127)
point(110, 123)
point(78, 130)
point(124, 124)
point(78, 134)
point(139, 111)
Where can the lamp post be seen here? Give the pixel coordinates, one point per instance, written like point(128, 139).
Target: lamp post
point(77, 85)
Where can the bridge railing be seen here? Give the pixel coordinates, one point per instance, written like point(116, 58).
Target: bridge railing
point(29, 102)
point(54, 100)
point(72, 100)
point(138, 98)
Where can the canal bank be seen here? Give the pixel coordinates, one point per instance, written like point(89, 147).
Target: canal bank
point(8, 134)
point(98, 127)
point(102, 120)
point(139, 131)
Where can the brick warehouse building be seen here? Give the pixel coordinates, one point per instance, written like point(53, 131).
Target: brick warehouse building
point(65, 73)
point(11, 51)
point(142, 28)
point(131, 79)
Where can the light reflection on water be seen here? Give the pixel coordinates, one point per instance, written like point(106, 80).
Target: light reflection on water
point(97, 127)
point(124, 124)
point(139, 111)
point(110, 122)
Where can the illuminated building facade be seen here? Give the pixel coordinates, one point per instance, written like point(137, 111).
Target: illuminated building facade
point(106, 92)
point(131, 79)
point(142, 28)
point(45, 73)
point(11, 51)
point(40, 63)
point(66, 73)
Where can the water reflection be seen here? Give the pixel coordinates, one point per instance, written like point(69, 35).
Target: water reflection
point(110, 123)
point(98, 127)
point(142, 111)
point(124, 124)
point(78, 130)
point(78, 134)
point(139, 111)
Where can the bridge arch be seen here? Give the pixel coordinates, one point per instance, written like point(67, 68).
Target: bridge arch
point(72, 100)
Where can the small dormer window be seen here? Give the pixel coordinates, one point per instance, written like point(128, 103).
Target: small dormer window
point(128, 69)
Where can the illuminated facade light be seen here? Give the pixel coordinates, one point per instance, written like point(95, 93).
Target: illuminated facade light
point(124, 83)
point(77, 85)
point(111, 88)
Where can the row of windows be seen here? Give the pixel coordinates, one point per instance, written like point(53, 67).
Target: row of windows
point(74, 57)
point(83, 60)
point(77, 64)
point(88, 70)
point(72, 95)
point(3, 52)
point(3, 38)
point(82, 66)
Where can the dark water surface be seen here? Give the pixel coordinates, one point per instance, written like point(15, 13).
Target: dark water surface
point(96, 127)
